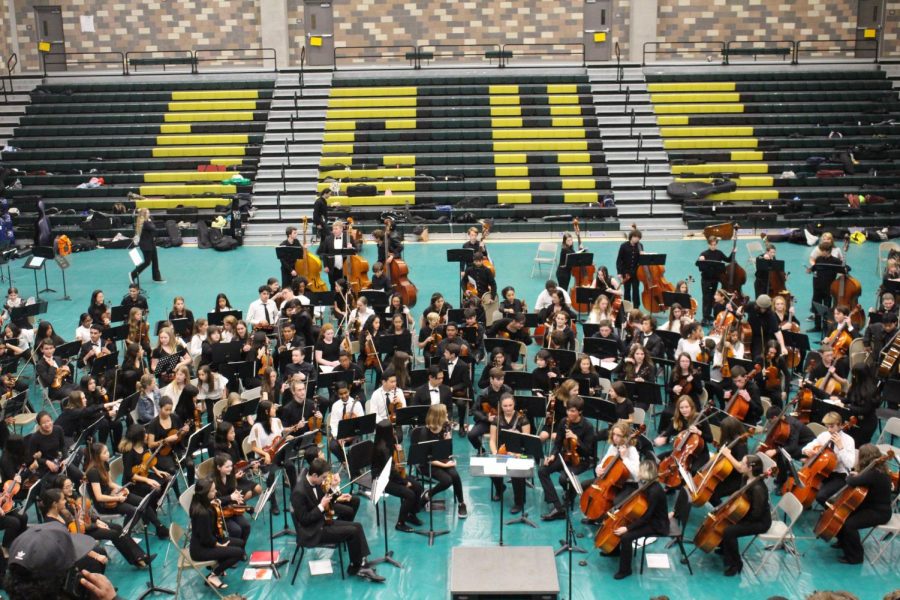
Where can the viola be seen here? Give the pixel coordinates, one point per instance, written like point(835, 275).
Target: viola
point(436, 339)
point(570, 450)
point(685, 446)
point(356, 268)
point(166, 448)
point(280, 440)
point(399, 457)
point(846, 290)
point(221, 528)
point(739, 404)
point(814, 472)
point(714, 472)
point(599, 497)
point(235, 510)
point(398, 272)
point(734, 276)
point(392, 406)
point(581, 276)
point(315, 423)
point(732, 511)
point(846, 500)
point(148, 461)
point(61, 373)
point(10, 489)
point(624, 514)
point(310, 266)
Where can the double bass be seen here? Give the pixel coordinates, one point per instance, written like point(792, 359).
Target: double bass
point(310, 266)
point(815, 470)
point(599, 497)
point(734, 276)
point(845, 501)
point(653, 278)
point(845, 291)
point(581, 276)
point(398, 271)
point(356, 268)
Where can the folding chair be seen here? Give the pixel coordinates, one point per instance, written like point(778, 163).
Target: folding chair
point(682, 511)
point(887, 532)
point(176, 537)
point(301, 548)
point(546, 255)
point(781, 533)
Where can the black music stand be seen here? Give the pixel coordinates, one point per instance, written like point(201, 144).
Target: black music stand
point(118, 313)
point(14, 405)
point(6, 256)
point(129, 403)
point(356, 427)
point(152, 588)
point(565, 359)
point(670, 340)
point(287, 453)
point(519, 380)
point(418, 378)
point(329, 380)
point(672, 298)
point(378, 485)
point(535, 407)
point(241, 410)
point(289, 253)
point(320, 299)
point(422, 453)
point(102, 364)
point(704, 369)
point(377, 299)
point(63, 263)
point(644, 393)
point(764, 265)
point(569, 544)
point(587, 295)
point(20, 313)
point(532, 320)
point(717, 266)
point(524, 444)
point(115, 334)
point(601, 347)
point(509, 347)
point(217, 318)
point(799, 341)
point(182, 327)
point(413, 416)
point(67, 350)
point(599, 409)
point(260, 505)
point(47, 253)
point(464, 257)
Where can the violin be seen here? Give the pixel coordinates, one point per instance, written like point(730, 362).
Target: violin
point(550, 419)
point(221, 528)
point(148, 461)
point(739, 404)
point(436, 339)
point(10, 489)
point(280, 440)
point(846, 500)
point(81, 511)
point(198, 417)
point(623, 514)
point(570, 450)
point(61, 374)
point(599, 497)
point(731, 511)
point(236, 510)
point(356, 268)
point(333, 494)
point(685, 446)
point(714, 472)
point(310, 266)
point(315, 423)
point(581, 276)
point(372, 359)
point(265, 361)
point(399, 271)
point(846, 290)
point(392, 406)
point(399, 457)
point(166, 448)
point(814, 472)
point(734, 276)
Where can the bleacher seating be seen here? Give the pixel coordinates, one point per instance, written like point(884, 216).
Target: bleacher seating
point(482, 143)
point(171, 146)
point(794, 141)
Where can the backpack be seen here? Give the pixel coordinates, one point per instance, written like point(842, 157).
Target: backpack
point(221, 242)
point(175, 240)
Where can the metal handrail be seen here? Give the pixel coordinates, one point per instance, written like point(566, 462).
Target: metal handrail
point(640, 146)
point(161, 55)
point(287, 151)
point(262, 57)
point(677, 49)
point(460, 50)
point(631, 127)
point(646, 171)
point(576, 51)
point(399, 51)
point(627, 97)
point(119, 61)
point(293, 134)
point(11, 63)
point(620, 73)
point(849, 48)
point(652, 200)
point(795, 48)
point(300, 76)
point(764, 47)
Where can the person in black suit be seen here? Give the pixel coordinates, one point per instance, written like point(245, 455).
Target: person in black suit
point(649, 339)
point(433, 392)
point(332, 262)
point(311, 509)
point(627, 266)
point(145, 231)
point(287, 266)
point(457, 376)
point(320, 213)
point(93, 349)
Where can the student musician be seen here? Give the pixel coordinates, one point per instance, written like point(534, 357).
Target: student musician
point(488, 398)
point(731, 430)
point(559, 332)
point(757, 520)
point(586, 375)
point(225, 442)
point(167, 429)
point(93, 349)
point(287, 266)
point(49, 439)
point(110, 497)
point(546, 375)
point(229, 495)
point(209, 534)
point(637, 366)
point(654, 522)
point(575, 440)
point(563, 272)
point(434, 391)
point(437, 427)
point(408, 489)
point(315, 525)
point(741, 385)
point(330, 251)
point(345, 407)
point(481, 275)
point(627, 266)
point(685, 413)
point(559, 398)
point(56, 378)
point(510, 328)
point(761, 279)
point(508, 419)
point(262, 436)
point(710, 264)
point(52, 504)
point(618, 443)
point(430, 336)
point(387, 398)
point(510, 305)
point(879, 336)
point(874, 510)
point(355, 377)
point(845, 449)
point(799, 435)
point(684, 380)
point(458, 378)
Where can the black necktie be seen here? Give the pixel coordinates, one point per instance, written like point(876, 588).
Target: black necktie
point(266, 311)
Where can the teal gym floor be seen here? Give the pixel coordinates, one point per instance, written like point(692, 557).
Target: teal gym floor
point(199, 275)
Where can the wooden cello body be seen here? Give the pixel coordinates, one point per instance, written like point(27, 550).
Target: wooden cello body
point(846, 290)
point(847, 500)
point(734, 276)
point(708, 478)
point(356, 268)
point(814, 472)
point(627, 512)
point(732, 511)
point(310, 266)
point(399, 272)
point(581, 276)
point(600, 496)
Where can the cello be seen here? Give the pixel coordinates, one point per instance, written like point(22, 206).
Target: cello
point(714, 472)
point(654, 281)
point(845, 291)
point(581, 276)
point(623, 514)
point(814, 472)
point(846, 500)
point(485, 230)
point(398, 271)
point(731, 511)
point(356, 268)
point(686, 445)
point(310, 266)
point(600, 496)
point(778, 431)
point(738, 405)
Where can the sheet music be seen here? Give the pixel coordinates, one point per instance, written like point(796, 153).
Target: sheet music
point(167, 363)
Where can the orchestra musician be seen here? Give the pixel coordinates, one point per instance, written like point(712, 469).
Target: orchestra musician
point(559, 398)
point(761, 279)
point(733, 448)
point(825, 255)
point(545, 376)
point(710, 263)
point(586, 375)
point(385, 399)
point(510, 305)
point(874, 510)
point(58, 385)
point(488, 398)
point(799, 435)
point(559, 334)
point(287, 265)
point(684, 380)
point(209, 535)
point(508, 418)
point(758, 518)
point(437, 427)
point(619, 443)
point(225, 442)
point(563, 272)
point(574, 437)
point(401, 485)
point(52, 503)
point(434, 391)
point(654, 522)
point(458, 378)
point(685, 414)
point(345, 407)
point(329, 251)
point(159, 433)
point(606, 331)
point(878, 337)
point(93, 349)
point(845, 449)
point(430, 335)
point(543, 299)
point(48, 438)
point(861, 400)
point(481, 276)
point(497, 360)
point(627, 266)
point(262, 435)
point(229, 495)
point(355, 378)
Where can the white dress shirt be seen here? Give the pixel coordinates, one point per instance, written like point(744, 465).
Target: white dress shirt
point(435, 394)
point(339, 408)
point(846, 456)
point(257, 312)
point(632, 461)
point(378, 404)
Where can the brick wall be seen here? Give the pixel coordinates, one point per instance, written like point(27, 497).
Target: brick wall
point(143, 26)
point(891, 37)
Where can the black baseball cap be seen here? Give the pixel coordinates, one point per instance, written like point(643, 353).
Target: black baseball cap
point(49, 549)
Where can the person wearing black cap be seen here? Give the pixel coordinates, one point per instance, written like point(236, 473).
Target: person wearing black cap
point(764, 325)
point(42, 563)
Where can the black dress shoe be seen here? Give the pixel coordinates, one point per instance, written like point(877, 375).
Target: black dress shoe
point(732, 571)
point(370, 574)
point(276, 510)
point(554, 515)
point(621, 574)
point(515, 510)
point(403, 527)
point(847, 561)
point(414, 520)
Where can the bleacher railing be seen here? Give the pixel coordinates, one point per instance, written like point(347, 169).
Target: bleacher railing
point(248, 60)
point(7, 81)
point(733, 51)
point(454, 55)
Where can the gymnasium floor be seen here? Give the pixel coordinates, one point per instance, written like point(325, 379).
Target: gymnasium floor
point(199, 275)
